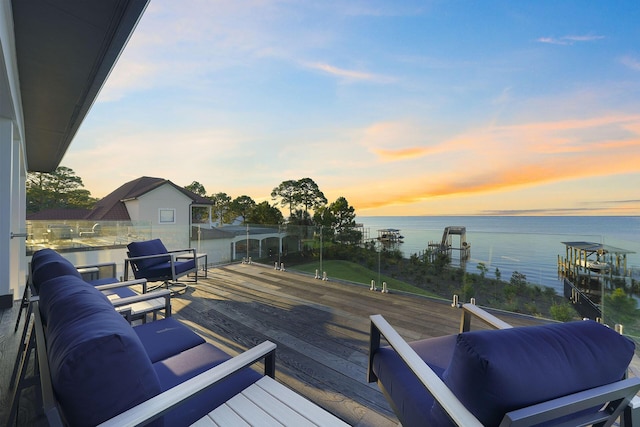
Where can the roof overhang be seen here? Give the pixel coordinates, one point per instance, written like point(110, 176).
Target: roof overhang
point(65, 51)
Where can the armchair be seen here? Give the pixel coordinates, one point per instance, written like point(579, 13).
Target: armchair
point(557, 374)
point(152, 261)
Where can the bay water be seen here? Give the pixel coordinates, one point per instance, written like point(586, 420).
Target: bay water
point(527, 244)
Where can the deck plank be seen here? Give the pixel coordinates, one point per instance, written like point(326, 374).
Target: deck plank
point(321, 329)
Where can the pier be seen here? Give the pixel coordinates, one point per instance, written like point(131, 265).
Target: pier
point(589, 269)
point(445, 246)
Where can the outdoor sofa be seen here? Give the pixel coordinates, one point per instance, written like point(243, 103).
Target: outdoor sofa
point(567, 374)
point(48, 263)
point(95, 368)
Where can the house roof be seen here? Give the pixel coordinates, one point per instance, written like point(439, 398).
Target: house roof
point(113, 208)
point(65, 51)
point(592, 247)
point(58, 214)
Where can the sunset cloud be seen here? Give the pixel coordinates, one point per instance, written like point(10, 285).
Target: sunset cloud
point(404, 109)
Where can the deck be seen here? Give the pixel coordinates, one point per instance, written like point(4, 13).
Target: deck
point(321, 329)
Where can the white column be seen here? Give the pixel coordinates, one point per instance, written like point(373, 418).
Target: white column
point(6, 204)
point(18, 222)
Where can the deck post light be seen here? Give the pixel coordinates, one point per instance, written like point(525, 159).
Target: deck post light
point(379, 247)
point(321, 227)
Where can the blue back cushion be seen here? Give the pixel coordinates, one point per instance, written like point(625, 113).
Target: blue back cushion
point(47, 264)
point(149, 247)
point(494, 372)
point(99, 367)
point(42, 256)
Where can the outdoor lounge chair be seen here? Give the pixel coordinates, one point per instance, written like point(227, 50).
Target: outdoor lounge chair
point(152, 261)
point(94, 368)
point(570, 374)
point(90, 232)
point(47, 264)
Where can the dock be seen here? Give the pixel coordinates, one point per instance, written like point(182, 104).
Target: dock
point(445, 246)
point(590, 269)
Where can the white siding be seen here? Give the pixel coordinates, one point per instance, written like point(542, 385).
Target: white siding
point(147, 208)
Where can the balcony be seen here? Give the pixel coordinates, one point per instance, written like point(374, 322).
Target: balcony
point(321, 329)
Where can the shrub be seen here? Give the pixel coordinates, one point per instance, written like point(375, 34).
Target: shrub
point(562, 312)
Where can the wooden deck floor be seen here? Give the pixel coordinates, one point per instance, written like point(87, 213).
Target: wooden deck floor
point(321, 329)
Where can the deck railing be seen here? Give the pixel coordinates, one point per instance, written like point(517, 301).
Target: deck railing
point(509, 257)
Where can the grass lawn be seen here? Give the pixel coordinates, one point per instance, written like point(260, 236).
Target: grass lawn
point(346, 270)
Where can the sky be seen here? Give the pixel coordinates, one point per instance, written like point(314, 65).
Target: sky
point(402, 107)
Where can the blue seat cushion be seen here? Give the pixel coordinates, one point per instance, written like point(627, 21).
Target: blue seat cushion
point(162, 271)
point(99, 367)
point(146, 248)
point(408, 397)
point(497, 371)
point(166, 337)
point(186, 365)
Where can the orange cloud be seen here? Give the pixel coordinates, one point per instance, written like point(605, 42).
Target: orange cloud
point(618, 157)
point(404, 153)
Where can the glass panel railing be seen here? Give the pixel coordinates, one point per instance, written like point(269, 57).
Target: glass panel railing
point(531, 271)
point(86, 235)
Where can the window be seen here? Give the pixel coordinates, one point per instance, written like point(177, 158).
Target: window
point(166, 216)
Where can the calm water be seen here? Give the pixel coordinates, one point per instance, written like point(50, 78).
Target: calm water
point(529, 245)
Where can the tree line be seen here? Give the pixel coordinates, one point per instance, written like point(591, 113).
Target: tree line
point(302, 198)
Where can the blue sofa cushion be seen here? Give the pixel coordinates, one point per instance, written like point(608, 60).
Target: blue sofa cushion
point(50, 266)
point(43, 255)
point(99, 367)
point(162, 271)
point(148, 247)
point(165, 338)
point(497, 371)
point(188, 364)
point(409, 398)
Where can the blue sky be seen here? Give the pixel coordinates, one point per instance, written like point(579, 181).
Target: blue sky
point(404, 107)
